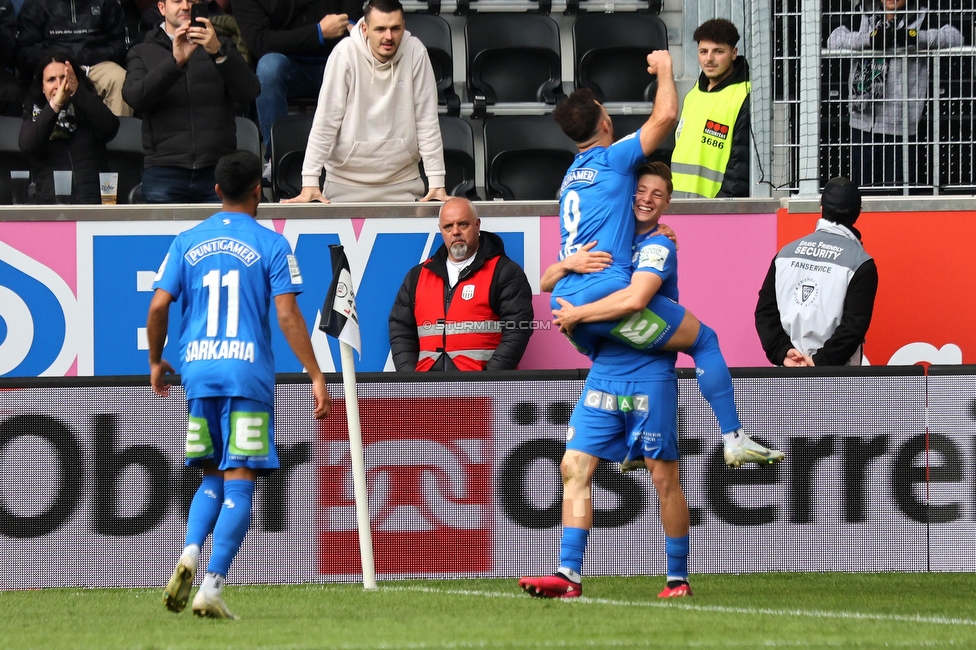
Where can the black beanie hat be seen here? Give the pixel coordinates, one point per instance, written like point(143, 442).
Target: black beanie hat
point(841, 201)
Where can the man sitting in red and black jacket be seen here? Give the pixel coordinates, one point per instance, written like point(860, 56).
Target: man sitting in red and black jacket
point(469, 307)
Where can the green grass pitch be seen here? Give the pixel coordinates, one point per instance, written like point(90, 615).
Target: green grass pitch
point(783, 610)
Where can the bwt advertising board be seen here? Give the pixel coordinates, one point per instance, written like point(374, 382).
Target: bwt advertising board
point(74, 295)
point(463, 481)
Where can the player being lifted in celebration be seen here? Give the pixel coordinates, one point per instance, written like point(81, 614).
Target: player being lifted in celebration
point(227, 270)
point(652, 297)
point(595, 196)
point(629, 402)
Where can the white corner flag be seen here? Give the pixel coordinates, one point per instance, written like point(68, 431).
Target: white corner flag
point(339, 317)
point(340, 320)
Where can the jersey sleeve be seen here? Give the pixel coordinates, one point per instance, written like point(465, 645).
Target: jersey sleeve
point(286, 277)
point(625, 155)
point(168, 277)
point(657, 255)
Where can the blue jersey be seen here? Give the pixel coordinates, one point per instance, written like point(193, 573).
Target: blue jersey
point(655, 253)
point(227, 270)
point(595, 204)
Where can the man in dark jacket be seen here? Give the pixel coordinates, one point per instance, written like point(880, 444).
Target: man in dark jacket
point(183, 81)
point(291, 40)
point(91, 31)
point(816, 303)
point(469, 307)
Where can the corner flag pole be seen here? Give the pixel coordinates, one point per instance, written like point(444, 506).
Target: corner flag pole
point(341, 321)
point(358, 465)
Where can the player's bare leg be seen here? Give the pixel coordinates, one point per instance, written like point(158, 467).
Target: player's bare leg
point(577, 470)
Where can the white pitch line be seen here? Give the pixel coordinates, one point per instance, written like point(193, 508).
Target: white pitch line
point(670, 604)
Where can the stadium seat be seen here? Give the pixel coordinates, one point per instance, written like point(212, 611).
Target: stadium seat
point(435, 34)
point(526, 157)
point(289, 137)
point(611, 54)
point(458, 142)
point(125, 156)
point(627, 124)
point(11, 157)
point(248, 136)
point(512, 58)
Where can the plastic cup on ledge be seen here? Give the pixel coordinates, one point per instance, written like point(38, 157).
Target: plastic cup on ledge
point(108, 187)
point(62, 186)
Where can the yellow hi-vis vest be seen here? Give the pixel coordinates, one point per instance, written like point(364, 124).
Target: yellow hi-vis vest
point(704, 140)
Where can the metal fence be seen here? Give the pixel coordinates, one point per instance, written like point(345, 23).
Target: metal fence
point(884, 98)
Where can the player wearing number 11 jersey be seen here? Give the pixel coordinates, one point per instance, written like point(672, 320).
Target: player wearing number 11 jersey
point(598, 190)
point(227, 270)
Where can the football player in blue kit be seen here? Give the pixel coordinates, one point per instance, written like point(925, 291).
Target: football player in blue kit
point(652, 297)
point(617, 419)
point(227, 270)
point(596, 192)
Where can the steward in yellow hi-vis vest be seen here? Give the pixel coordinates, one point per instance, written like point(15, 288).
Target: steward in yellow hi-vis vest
point(711, 153)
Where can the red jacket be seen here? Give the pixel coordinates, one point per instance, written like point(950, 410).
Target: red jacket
point(470, 330)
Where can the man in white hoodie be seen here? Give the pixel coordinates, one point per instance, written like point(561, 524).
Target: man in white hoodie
point(376, 117)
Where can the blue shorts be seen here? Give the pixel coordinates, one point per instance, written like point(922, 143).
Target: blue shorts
point(616, 420)
point(646, 331)
point(231, 432)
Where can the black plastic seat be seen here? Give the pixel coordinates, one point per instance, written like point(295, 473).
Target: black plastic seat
point(248, 136)
point(512, 58)
point(125, 156)
point(611, 54)
point(435, 34)
point(526, 157)
point(11, 157)
point(458, 142)
point(289, 137)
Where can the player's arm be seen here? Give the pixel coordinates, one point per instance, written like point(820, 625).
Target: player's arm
point(582, 261)
point(664, 115)
point(634, 297)
point(292, 325)
point(156, 325)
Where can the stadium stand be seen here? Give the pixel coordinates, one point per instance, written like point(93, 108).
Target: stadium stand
point(611, 51)
point(459, 157)
point(512, 58)
point(435, 34)
point(11, 158)
point(125, 156)
point(289, 137)
point(526, 157)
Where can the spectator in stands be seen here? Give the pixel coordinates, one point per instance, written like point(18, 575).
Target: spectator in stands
point(291, 41)
point(816, 303)
point(65, 127)
point(91, 31)
point(711, 151)
point(11, 92)
point(888, 93)
point(469, 307)
point(183, 81)
point(376, 117)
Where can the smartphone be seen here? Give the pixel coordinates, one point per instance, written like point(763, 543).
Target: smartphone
point(198, 10)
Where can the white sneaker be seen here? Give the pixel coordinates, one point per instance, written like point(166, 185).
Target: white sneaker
point(746, 450)
point(266, 174)
point(177, 590)
point(209, 604)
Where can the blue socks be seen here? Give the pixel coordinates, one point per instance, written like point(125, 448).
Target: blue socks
point(204, 509)
point(714, 380)
point(571, 549)
point(232, 525)
point(677, 550)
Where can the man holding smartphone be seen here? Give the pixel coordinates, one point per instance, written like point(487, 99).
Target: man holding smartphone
point(291, 39)
point(183, 81)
